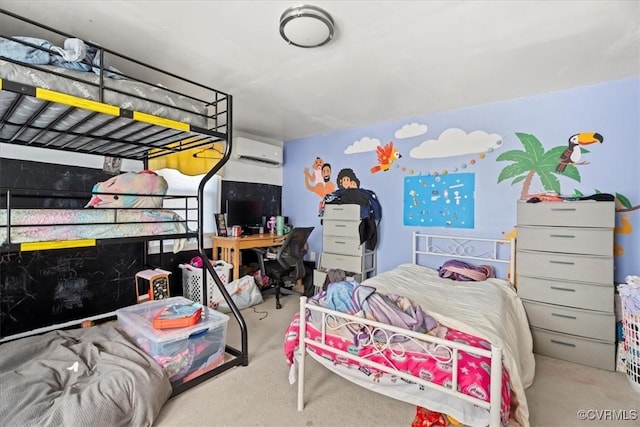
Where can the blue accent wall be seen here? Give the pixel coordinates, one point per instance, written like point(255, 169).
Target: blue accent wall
point(475, 138)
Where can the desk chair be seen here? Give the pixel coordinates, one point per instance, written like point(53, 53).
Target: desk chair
point(286, 263)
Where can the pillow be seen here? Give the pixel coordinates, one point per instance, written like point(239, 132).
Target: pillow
point(136, 186)
point(458, 270)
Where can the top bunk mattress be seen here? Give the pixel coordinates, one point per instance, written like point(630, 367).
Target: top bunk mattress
point(55, 125)
point(124, 93)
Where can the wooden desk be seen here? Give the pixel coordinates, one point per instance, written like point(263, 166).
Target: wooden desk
point(232, 246)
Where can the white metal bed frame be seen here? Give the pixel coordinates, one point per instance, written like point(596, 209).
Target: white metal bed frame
point(477, 249)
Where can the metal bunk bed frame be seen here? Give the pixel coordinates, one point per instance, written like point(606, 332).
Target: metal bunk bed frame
point(167, 137)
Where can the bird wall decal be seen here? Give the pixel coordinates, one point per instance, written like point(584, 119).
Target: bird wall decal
point(573, 153)
point(386, 156)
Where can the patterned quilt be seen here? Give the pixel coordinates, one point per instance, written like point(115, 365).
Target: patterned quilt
point(41, 225)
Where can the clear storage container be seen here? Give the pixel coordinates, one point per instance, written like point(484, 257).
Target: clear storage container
point(182, 352)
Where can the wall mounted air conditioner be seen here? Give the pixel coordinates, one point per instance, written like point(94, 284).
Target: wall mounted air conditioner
point(258, 152)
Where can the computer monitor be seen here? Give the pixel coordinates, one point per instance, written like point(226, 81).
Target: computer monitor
point(246, 213)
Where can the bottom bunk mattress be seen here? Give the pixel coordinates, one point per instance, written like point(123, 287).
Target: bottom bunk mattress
point(93, 376)
point(43, 225)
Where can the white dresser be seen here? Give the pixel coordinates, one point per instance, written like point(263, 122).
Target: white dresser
point(341, 248)
point(564, 275)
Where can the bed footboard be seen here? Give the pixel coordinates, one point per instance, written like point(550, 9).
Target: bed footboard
point(385, 339)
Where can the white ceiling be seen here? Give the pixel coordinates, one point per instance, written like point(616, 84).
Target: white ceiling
point(388, 59)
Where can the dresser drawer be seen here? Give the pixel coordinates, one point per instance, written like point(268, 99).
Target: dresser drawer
point(589, 241)
point(578, 268)
point(574, 349)
point(348, 263)
point(346, 211)
point(341, 228)
point(572, 294)
point(590, 324)
point(342, 245)
point(587, 213)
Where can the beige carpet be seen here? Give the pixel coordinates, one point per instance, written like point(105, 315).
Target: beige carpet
point(260, 394)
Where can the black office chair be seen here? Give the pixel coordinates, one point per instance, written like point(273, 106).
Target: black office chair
point(286, 263)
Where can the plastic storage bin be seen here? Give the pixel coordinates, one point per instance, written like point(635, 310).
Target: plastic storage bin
point(631, 327)
point(182, 352)
point(192, 280)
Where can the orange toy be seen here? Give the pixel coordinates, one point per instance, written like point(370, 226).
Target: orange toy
point(177, 316)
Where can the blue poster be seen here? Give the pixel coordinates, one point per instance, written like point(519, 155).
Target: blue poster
point(439, 200)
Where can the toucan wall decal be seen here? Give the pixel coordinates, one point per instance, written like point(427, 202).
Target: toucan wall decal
point(573, 153)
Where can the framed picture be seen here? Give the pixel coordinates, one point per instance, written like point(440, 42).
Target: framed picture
point(112, 165)
point(221, 225)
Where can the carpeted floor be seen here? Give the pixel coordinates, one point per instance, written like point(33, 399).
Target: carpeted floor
point(260, 394)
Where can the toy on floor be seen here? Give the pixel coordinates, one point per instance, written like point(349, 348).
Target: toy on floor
point(152, 285)
point(427, 418)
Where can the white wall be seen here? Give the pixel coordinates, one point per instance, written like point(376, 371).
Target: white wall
point(20, 152)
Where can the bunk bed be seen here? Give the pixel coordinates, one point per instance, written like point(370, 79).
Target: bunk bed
point(459, 348)
point(85, 105)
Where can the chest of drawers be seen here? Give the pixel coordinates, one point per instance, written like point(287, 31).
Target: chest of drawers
point(564, 274)
point(341, 248)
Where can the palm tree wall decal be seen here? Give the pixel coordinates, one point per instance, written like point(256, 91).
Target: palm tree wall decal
point(534, 160)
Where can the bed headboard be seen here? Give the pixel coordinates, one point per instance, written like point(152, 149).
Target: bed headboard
point(499, 251)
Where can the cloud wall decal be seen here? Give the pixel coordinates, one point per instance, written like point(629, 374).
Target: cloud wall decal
point(456, 142)
point(410, 130)
point(363, 145)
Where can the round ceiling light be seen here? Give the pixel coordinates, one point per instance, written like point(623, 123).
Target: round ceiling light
point(306, 26)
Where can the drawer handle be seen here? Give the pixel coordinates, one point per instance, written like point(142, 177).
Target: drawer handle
point(569, 236)
point(556, 288)
point(562, 262)
point(565, 316)
point(563, 209)
point(340, 225)
point(339, 243)
point(563, 343)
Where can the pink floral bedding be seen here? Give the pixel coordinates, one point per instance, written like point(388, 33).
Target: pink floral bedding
point(473, 375)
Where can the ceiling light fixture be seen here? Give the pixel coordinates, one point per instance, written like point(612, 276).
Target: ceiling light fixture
point(306, 26)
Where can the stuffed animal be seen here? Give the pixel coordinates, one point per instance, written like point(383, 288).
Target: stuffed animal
point(129, 190)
